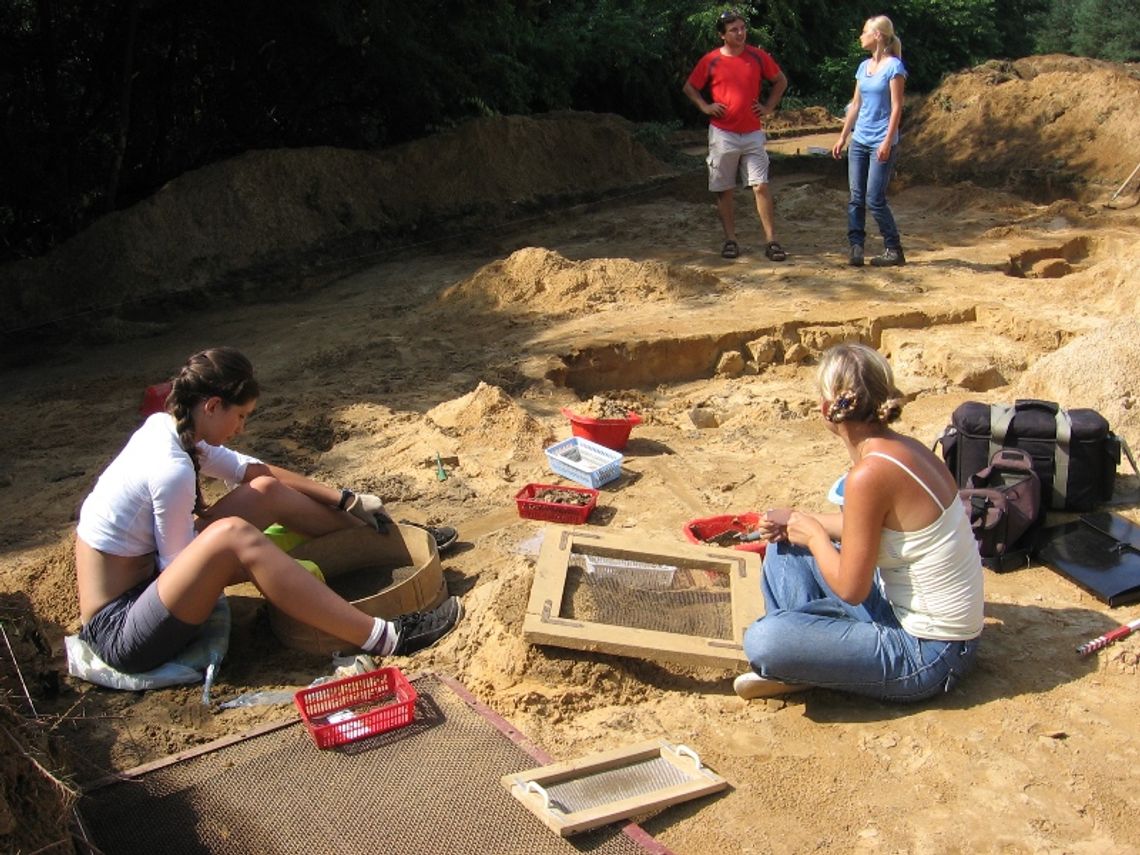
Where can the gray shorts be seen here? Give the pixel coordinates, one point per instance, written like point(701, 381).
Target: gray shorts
point(729, 153)
point(135, 632)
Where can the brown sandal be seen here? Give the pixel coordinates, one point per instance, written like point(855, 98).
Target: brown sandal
point(775, 252)
point(730, 249)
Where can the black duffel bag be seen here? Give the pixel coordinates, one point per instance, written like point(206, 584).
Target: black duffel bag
point(1074, 452)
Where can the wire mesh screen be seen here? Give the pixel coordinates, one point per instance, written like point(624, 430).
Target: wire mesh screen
point(433, 786)
point(694, 601)
point(636, 779)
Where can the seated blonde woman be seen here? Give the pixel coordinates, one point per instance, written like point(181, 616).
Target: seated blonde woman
point(885, 598)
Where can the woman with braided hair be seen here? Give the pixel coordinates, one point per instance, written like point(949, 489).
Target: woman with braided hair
point(152, 558)
point(885, 598)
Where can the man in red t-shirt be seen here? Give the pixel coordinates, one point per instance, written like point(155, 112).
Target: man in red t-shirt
point(733, 74)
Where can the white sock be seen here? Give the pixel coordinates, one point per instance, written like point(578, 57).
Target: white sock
point(382, 640)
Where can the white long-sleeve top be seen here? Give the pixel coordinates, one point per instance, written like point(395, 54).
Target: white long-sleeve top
point(144, 500)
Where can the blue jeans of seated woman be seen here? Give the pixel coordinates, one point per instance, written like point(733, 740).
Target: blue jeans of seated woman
point(809, 635)
point(867, 180)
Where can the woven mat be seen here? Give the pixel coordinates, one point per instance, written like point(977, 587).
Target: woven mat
point(431, 787)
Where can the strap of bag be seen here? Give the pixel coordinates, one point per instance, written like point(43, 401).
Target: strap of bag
point(1128, 454)
point(941, 440)
point(1001, 417)
point(1061, 459)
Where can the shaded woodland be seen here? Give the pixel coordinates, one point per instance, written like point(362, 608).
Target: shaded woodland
point(102, 103)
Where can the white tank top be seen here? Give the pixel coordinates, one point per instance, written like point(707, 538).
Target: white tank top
point(933, 577)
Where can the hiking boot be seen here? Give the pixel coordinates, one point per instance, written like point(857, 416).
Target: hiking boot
point(423, 629)
point(444, 535)
point(855, 259)
point(891, 257)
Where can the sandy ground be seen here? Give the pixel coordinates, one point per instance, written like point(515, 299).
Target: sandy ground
point(471, 350)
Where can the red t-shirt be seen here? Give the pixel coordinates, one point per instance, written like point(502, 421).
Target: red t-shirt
point(735, 82)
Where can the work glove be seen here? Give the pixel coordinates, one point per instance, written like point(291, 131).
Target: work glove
point(365, 506)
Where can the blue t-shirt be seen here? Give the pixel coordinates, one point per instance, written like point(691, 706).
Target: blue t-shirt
point(875, 91)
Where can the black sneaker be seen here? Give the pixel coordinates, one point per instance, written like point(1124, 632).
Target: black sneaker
point(423, 629)
point(856, 257)
point(445, 536)
point(891, 257)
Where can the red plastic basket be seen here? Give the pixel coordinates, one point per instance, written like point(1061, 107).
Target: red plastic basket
point(352, 708)
point(612, 433)
point(531, 508)
point(702, 530)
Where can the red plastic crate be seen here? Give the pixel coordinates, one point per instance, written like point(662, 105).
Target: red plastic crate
point(352, 708)
point(531, 508)
point(612, 433)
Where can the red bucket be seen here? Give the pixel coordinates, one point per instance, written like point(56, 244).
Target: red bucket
point(154, 399)
point(701, 531)
point(612, 433)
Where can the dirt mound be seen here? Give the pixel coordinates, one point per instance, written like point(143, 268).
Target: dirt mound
point(534, 279)
point(1096, 370)
point(1043, 125)
point(801, 121)
point(269, 211)
point(487, 422)
point(805, 200)
point(966, 195)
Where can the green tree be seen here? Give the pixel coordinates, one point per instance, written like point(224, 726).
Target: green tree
point(1056, 32)
point(1104, 29)
point(1107, 29)
point(940, 36)
point(1017, 23)
point(100, 103)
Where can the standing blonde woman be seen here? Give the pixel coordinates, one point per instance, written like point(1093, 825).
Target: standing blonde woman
point(872, 126)
point(895, 610)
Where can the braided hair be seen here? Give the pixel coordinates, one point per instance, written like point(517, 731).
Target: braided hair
point(220, 372)
point(858, 385)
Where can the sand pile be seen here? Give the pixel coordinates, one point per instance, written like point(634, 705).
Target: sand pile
point(804, 201)
point(1042, 125)
point(1098, 370)
point(800, 121)
point(486, 423)
point(540, 280)
point(267, 212)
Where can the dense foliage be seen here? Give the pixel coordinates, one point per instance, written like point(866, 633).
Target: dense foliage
point(103, 102)
point(1106, 29)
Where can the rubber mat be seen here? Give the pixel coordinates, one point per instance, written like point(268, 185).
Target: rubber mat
point(430, 787)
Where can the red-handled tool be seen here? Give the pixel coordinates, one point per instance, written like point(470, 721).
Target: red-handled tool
point(1109, 637)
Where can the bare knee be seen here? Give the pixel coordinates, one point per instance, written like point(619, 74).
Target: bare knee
point(220, 553)
point(232, 534)
point(266, 485)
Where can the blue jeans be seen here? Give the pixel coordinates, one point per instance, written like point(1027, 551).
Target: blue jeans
point(809, 635)
point(867, 179)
